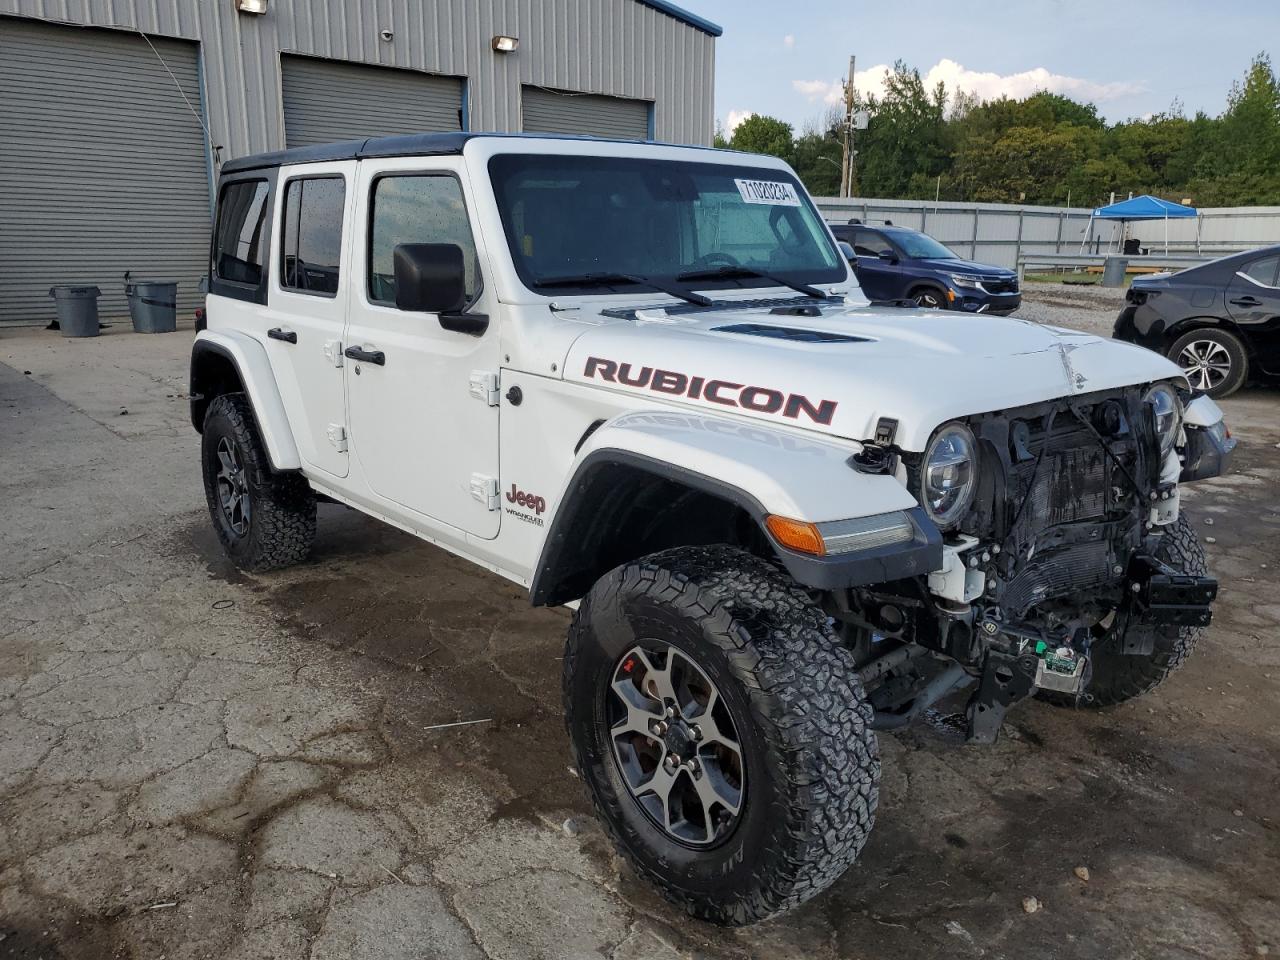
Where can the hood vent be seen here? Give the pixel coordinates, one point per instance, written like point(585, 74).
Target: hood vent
point(793, 334)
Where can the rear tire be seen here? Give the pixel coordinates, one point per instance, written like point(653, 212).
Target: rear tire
point(1119, 677)
point(807, 769)
point(265, 520)
point(1213, 360)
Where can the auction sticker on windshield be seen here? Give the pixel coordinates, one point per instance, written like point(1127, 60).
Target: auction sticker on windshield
point(775, 193)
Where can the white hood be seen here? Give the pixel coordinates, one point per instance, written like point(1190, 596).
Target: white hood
point(920, 368)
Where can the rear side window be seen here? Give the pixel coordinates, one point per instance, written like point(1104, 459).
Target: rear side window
point(239, 249)
point(311, 235)
point(1263, 271)
point(417, 208)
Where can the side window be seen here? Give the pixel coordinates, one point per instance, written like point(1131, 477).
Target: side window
point(311, 235)
point(1263, 271)
point(868, 243)
point(415, 208)
point(238, 250)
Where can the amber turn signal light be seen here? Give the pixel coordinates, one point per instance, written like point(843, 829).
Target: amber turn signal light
point(796, 535)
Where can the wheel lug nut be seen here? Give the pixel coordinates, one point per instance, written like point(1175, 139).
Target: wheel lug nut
point(671, 712)
point(669, 762)
point(697, 733)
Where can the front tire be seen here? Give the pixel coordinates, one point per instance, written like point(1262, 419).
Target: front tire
point(929, 298)
point(1213, 360)
point(722, 731)
point(265, 520)
point(1119, 677)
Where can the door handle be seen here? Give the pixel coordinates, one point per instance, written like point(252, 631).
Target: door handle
point(288, 336)
point(1247, 302)
point(366, 356)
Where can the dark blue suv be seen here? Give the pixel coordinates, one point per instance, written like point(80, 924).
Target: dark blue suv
point(893, 263)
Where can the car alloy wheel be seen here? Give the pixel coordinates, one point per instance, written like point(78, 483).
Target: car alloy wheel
point(233, 487)
point(1206, 364)
point(929, 301)
point(675, 744)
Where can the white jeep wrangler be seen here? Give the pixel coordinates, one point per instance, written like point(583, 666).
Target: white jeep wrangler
point(642, 381)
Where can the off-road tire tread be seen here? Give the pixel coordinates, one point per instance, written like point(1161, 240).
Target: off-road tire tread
point(805, 697)
point(1118, 678)
point(283, 519)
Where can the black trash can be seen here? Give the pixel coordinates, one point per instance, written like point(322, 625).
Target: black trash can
point(77, 309)
point(153, 305)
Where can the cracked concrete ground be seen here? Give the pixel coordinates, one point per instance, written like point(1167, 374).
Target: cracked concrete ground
point(200, 764)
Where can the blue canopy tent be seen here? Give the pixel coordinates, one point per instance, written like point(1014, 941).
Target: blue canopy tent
point(1144, 207)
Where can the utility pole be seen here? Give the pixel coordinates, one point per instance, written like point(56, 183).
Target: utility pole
point(847, 165)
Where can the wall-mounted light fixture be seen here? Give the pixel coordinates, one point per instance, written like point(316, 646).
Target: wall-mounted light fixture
point(253, 7)
point(502, 44)
point(386, 35)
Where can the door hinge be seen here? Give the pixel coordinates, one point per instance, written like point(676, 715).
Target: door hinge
point(338, 437)
point(485, 489)
point(333, 352)
point(484, 386)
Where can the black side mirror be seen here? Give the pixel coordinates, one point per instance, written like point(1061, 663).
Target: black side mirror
point(888, 256)
point(432, 278)
point(846, 248)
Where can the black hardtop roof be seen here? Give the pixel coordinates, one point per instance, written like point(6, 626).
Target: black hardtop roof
point(406, 145)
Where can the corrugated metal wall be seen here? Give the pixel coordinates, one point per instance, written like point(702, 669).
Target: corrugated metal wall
point(613, 47)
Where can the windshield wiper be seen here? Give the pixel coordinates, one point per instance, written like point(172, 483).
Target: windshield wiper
point(611, 279)
point(735, 273)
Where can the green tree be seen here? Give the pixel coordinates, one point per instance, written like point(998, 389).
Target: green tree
point(760, 134)
point(905, 141)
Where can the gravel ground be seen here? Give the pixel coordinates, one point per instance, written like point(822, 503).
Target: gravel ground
point(1089, 308)
point(197, 764)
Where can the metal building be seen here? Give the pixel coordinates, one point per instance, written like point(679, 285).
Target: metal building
point(114, 116)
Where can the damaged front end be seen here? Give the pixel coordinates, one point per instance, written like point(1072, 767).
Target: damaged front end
point(1052, 516)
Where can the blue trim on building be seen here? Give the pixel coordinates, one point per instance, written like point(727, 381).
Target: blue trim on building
point(693, 20)
point(652, 109)
point(464, 109)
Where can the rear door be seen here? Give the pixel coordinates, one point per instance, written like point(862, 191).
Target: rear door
point(306, 305)
point(1253, 301)
point(880, 279)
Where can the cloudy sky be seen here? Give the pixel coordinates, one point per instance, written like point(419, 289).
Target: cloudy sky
point(1130, 57)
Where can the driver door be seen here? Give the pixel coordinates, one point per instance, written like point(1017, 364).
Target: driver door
point(879, 277)
point(423, 438)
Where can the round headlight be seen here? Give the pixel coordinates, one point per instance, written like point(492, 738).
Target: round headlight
point(1168, 411)
point(949, 474)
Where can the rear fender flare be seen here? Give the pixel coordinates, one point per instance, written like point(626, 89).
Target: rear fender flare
point(249, 358)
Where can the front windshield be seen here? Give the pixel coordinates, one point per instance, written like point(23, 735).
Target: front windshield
point(919, 246)
point(577, 217)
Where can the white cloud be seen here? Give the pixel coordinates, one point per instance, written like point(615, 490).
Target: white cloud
point(789, 41)
point(987, 85)
point(814, 90)
point(736, 117)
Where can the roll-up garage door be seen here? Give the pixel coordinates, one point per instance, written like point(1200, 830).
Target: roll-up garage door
point(102, 166)
point(584, 114)
point(325, 100)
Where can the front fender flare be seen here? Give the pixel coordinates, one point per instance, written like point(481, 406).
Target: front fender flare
point(762, 470)
point(250, 360)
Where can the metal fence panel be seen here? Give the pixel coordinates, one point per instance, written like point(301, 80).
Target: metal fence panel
point(1000, 233)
